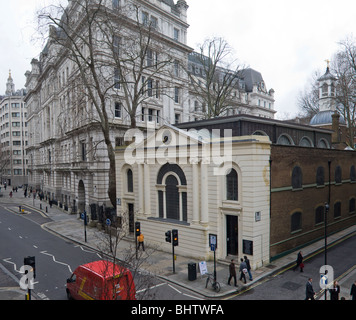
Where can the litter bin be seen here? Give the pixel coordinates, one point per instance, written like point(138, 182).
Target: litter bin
point(192, 271)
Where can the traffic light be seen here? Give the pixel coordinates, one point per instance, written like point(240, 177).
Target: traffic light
point(168, 237)
point(175, 237)
point(137, 228)
point(30, 261)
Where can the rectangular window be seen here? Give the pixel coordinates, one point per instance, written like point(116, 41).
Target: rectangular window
point(176, 34)
point(144, 18)
point(143, 114)
point(17, 172)
point(176, 94)
point(84, 151)
point(118, 109)
point(116, 4)
point(149, 58)
point(154, 22)
point(116, 79)
point(150, 87)
point(150, 114)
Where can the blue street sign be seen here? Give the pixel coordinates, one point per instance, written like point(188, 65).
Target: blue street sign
point(108, 222)
point(212, 247)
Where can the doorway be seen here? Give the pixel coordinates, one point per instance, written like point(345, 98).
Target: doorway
point(232, 243)
point(81, 196)
point(131, 218)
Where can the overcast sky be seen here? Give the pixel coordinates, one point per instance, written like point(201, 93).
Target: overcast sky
point(285, 40)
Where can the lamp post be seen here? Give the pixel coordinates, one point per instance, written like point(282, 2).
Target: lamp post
point(326, 240)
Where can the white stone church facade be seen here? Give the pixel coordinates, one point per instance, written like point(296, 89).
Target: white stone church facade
point(178, 180)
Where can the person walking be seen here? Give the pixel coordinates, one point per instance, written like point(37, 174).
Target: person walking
point(243, 270)
point(353, 291)
point(334, 291)
point(232, 272)
point(299, 262)
point(140, 240)
point(309, 291)
point(248, 267)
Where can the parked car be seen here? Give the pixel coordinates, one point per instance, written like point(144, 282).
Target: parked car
point(101, 280)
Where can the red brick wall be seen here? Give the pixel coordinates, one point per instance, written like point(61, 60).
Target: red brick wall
point(285, 201)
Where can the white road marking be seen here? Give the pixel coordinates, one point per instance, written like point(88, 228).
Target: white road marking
point(54, 259)
point(158, 285)
point(90, 251)
point(15, 267)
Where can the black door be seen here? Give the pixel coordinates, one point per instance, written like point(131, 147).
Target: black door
point(131, 218)
point(232, 235)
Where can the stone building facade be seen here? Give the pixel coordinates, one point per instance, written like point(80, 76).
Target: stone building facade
point(13, 136)
point(177, 179)
point(67, 157)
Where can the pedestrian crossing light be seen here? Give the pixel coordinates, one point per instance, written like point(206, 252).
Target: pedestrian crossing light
point(175, 237)
point(138, 228)
point(30, 261)
point(168, 236)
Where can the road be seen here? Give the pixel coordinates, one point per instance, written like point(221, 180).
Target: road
point(22, 235)
point(290, 285)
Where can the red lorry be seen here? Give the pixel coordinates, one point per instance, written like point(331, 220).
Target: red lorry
point(101, 280)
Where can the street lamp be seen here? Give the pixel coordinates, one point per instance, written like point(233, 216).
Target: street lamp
point(325, 238)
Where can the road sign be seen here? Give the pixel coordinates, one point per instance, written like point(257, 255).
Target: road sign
point(108, 222)
point(212, 247)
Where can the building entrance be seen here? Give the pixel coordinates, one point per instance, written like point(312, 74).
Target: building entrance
point(232, 243)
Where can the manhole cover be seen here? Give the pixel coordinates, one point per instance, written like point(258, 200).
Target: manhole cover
point(289, 285)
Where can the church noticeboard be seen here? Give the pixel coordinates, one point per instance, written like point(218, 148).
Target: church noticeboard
point(247, 247)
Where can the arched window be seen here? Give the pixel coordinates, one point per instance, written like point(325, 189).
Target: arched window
point(285, 140)
point(337, 209)
point(325, 90)
point(338, 175)
point(305, 142)
point(320, 176)
point(352, 174)
point(323, 144)
point(296, 221)
point(297, 178)
point(352, 205)
point(129, 181)
point(232, 186)
point(172, 194)
point(319, 215)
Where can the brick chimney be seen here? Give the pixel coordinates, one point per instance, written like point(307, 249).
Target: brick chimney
point(335, 138)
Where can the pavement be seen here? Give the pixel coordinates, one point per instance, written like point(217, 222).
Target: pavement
point(157, 262)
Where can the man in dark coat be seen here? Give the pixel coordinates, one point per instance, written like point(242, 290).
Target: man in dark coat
point(232, 272)
point(353, 291)
point(309, 292)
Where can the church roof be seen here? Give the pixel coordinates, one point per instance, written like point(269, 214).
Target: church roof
point(327, 76)
point(325, 118)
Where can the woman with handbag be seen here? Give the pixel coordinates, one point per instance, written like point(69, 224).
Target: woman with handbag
point(299, 262)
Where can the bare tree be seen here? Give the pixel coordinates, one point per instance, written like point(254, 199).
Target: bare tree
point(345, 70)
point(216, 77)
point(308, 99)
point(118, 63)
point(109, 244)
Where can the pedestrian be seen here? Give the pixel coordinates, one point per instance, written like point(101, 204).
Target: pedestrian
point(334, 291)
point(353, 291)
point(243, 270)
point(232, 272)
point(248, 268)
point(299, 262)
point(10, 194)
point(140, 240)
point(309, 291)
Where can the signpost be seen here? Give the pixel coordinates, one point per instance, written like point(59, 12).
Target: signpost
point(213, 243)
point(84, 217)
point(108, 223)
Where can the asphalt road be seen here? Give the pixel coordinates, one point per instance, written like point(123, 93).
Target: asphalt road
point(290, 285)
point(21, 235)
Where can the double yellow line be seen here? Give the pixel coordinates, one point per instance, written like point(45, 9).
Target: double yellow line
point(292, 265)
